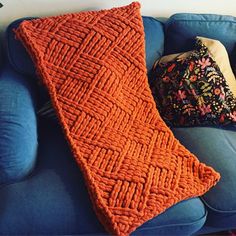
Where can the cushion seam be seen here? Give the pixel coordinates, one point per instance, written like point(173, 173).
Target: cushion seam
point(174, 225)
point(215, 209)
point(172, 21)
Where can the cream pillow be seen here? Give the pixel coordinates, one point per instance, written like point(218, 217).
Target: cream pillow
point(176, 56)
point(220, 55)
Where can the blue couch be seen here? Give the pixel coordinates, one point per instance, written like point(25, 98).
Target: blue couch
point(42, 189)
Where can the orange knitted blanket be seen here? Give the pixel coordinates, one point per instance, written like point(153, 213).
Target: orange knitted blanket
point(93, 64)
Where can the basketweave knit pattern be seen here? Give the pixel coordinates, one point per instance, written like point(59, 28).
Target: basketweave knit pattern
point(93, 64)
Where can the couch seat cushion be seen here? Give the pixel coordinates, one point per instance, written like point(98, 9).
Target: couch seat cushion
point(216, 147)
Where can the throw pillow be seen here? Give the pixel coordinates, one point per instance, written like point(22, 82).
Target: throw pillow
point(93, 64)
point(218, 53)
point(192, 90)
point(220, 56)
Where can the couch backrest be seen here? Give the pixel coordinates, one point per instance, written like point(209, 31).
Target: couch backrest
point(17, 55)
point(180, 31)
point(19, 59)
point(182, 28)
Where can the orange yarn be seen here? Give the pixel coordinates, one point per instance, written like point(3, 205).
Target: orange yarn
point(93, 64)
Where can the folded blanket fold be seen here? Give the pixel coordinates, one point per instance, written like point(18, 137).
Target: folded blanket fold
point(93, 64)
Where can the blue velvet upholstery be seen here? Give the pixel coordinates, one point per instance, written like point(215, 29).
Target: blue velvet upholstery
point(18, 129)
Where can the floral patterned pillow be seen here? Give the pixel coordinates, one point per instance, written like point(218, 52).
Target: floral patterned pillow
point(192, 91)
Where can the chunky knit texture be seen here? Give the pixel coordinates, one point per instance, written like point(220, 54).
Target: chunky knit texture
point(93, 64)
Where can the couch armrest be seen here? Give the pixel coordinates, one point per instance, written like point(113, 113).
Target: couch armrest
point(18, 126)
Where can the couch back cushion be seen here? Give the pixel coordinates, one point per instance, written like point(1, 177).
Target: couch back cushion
point(18, 57)
point(182, 28)
point(20, 60)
